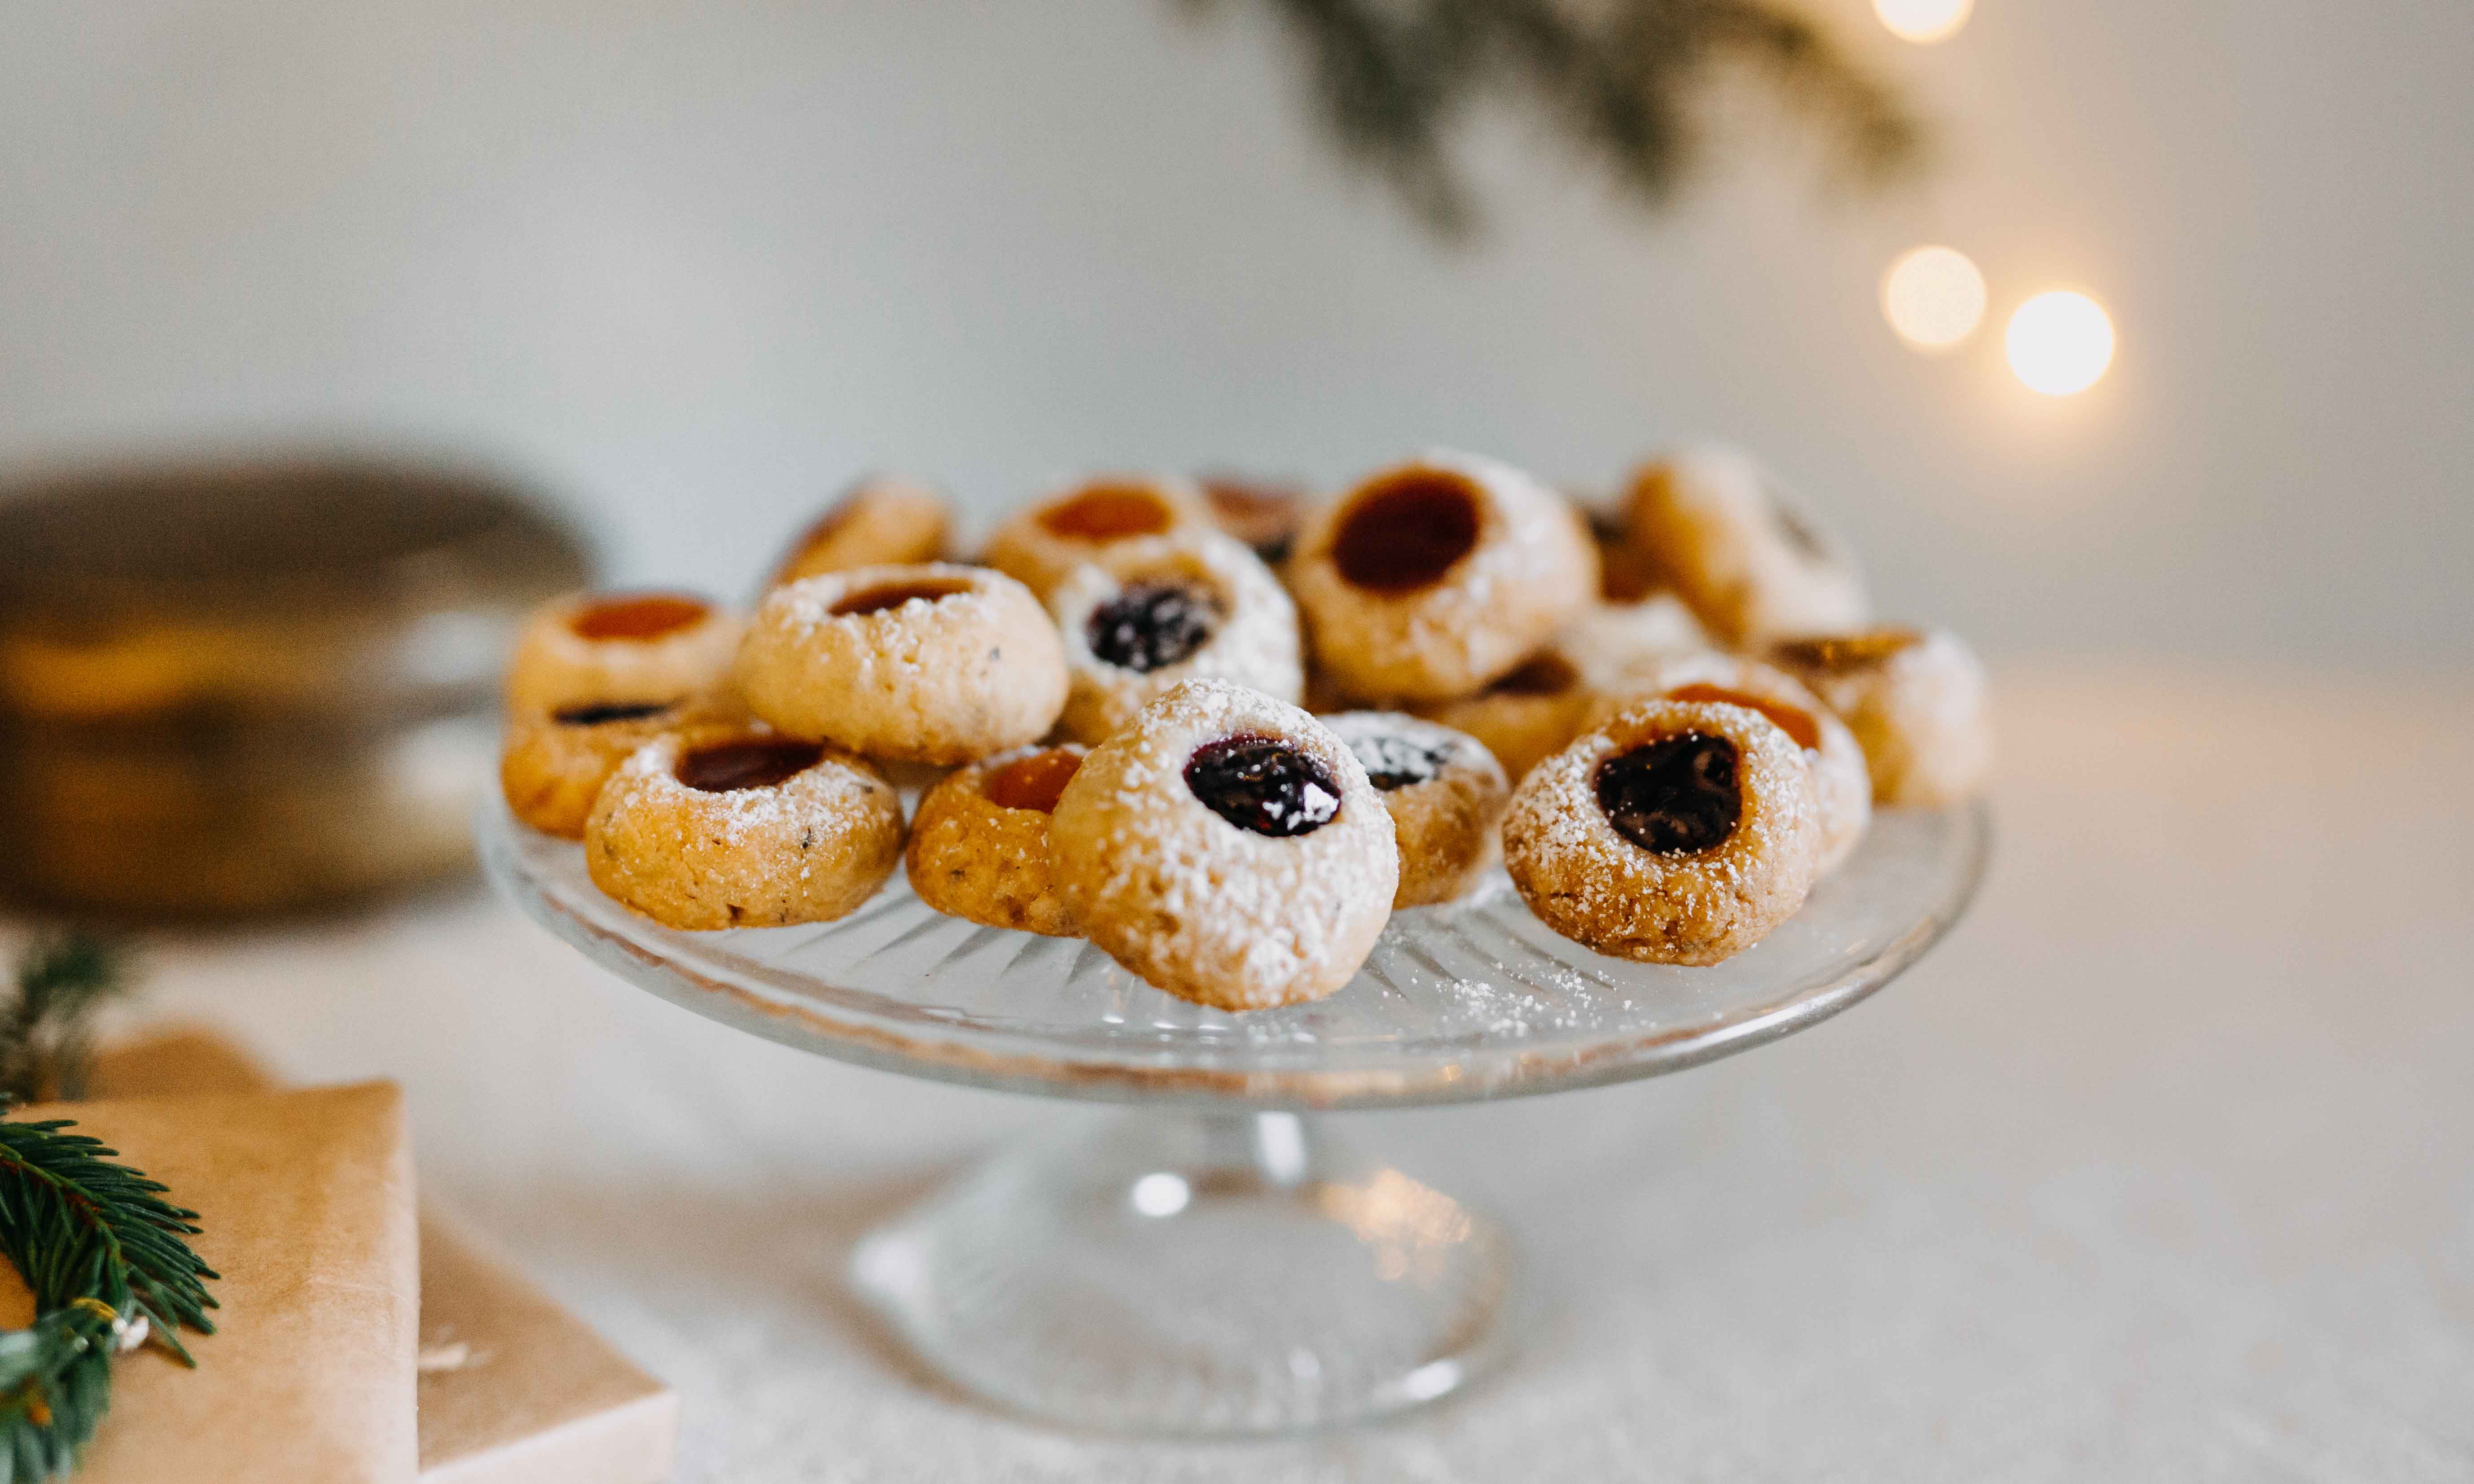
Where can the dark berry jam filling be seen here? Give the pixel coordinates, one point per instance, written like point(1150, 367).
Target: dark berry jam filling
point(1796, 722)
point(876, 600)
point(1406, 532)
point(1151, 625)
point(1395, 762)
point(1677, 796)
point(642, 617)
point(1262, 784)
point(750, 762)
point(598, 713)
point(1033, 783)
point(1108, 513)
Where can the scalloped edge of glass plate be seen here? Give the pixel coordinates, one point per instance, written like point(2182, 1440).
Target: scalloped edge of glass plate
point(905, 1041)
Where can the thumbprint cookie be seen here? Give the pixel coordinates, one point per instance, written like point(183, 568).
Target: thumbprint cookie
point(611, 648)
point(1144, 616)
point(979, 841)
point(554, 762)
point(735, 826)
point(1915, 699)
point(1227, 848)
point(933, 664)
point(1436, 576)
point(1680, 832)
point(1263, 513)
point(880, 521)
point(1040, 546)
point(1842, 786)
point(1523, 717)
point(1752, 563)
point(1446, 794)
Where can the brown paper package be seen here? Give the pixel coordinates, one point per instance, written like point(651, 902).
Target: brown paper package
point(307, 1203)
point(515, 1389)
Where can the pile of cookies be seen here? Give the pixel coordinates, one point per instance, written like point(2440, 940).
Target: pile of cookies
point(1223, 732)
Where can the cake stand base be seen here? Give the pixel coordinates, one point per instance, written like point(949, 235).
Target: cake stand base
point(1194, 1274)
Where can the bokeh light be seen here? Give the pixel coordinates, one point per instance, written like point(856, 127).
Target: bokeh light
point(1933, 298)
point(2060, 341)
point(1923, 20)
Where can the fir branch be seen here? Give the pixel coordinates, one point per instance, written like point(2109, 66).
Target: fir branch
point(62, 979)
point(1616, 77)
point(106, 1259)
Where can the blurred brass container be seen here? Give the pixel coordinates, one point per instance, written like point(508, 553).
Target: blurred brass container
point(245, 688)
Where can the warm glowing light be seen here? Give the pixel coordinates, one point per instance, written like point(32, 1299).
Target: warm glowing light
point(1923, 20)
point(1933, 298)
point(2060, 341)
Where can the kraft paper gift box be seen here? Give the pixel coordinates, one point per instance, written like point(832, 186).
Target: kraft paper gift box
point(306, 1205)
point(514, 1389)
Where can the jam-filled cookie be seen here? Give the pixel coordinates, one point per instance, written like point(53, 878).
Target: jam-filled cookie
point(737, 826)
point(1842, 787)
point(1436, 576)
point(880, 521)
point(1914, 698)
point(1264, 513)
point(1445, 792)
point(1041, 545)
point(554, 762)
point(1625, 573)
point(979, 841)
point(1142, 616)
point(1524, 717)
point(1680, 832)
point(933, 663)
point(610, 648)
point(1227, 848)
point(1753, 565)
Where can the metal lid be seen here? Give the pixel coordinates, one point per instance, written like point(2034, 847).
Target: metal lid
point(306, 588)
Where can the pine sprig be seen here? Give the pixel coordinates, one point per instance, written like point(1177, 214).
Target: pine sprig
point(1616, 77)
point(62, 979)
point(106, 1259)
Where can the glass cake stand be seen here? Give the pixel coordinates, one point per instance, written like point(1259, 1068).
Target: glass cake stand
point(1216, 1263)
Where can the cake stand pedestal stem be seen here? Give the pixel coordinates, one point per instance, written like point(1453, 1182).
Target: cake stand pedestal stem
point(1192, 1273)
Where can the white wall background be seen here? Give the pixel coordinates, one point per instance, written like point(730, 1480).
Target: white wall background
point(693, 264)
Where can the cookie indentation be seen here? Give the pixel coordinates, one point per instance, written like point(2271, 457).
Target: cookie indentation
point(598, 713)
point(750, 762)
point(876, 600)
point(1407, 534)
point(1033, 783)
point(1108, 513)
point(1262, 784)
point(1677, 796)
point(645, 617)
point(1151, 625)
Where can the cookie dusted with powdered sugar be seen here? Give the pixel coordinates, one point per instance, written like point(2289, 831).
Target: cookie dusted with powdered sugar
point(1752, 563)
point(1227, 848)
point(725, 825)
point(1446, 794)
point(1680, 832)
point(1914, 698)
point(1041, 545)
point(1842, 786)
point(614, 648)
point(1146, 616)
point(933, 664)
point(882, 520)
point(979, 841)
point(1436, 576)
point(554, 763)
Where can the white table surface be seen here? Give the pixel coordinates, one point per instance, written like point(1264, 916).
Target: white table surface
point(2161, 1167)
